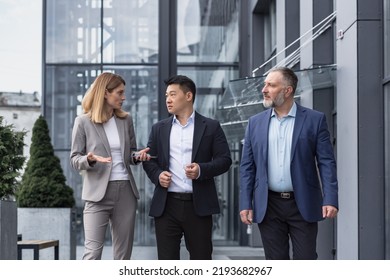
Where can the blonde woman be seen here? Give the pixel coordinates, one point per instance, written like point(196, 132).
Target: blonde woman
point(103, 148)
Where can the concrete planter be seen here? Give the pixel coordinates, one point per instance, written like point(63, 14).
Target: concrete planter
point(49, 223)
point(8, 230)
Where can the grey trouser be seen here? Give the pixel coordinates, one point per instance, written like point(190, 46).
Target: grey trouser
point(118, 207)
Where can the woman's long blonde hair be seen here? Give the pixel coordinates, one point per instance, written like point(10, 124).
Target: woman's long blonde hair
point(94, 104)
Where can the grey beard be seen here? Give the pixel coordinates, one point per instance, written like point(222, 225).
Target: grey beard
point(274, 103)
point(269, 104)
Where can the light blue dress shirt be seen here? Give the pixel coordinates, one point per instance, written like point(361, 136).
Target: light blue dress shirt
point(279, 151)
point(180, 153)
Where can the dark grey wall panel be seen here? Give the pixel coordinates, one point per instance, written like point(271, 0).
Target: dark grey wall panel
point(371, 140)
point(323, 46)
point(292, 25)
point(369, 9)
point(246, 36)
point(323, 101)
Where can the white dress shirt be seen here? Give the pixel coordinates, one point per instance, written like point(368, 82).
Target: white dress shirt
point(180, 154)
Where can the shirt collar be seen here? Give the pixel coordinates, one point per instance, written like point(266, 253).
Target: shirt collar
point(292, 113)
point(189, 120)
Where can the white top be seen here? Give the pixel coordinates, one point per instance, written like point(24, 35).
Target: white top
point(118, 170)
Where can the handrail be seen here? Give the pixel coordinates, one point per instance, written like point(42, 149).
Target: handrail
point(326, 20)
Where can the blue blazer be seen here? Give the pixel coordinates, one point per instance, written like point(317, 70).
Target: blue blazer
point(209, 149)
point(312, 166)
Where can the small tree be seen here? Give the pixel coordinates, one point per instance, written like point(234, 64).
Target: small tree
point(11, 159)
point(43, 182)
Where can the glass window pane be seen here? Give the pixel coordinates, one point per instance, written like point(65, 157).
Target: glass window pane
point(141, 103)
point(73, 32)
point(130, 31)
point(211, 83)
point(207, 31)
point(65, 88)
point(141, 97)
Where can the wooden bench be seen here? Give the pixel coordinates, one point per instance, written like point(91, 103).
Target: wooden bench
point(37, 245)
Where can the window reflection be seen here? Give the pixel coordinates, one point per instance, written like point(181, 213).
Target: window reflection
point(130, 31)
point(207, 31)
point(73, 31)
point(85, 38)
point(76, 32)
point(207, 52)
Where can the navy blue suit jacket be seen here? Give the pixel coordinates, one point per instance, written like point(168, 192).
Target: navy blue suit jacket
point(312, 161)
point(209, 149)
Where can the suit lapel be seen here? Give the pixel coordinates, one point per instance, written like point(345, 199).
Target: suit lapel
point(263, 137)
point(298, 125)
point(165, 135)
point(199, 128)
point(102, 135)
point(120, 124)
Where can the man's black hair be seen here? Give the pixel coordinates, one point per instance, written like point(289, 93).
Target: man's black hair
point(185, 83)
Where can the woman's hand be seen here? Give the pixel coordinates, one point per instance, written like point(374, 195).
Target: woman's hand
point(94, 158)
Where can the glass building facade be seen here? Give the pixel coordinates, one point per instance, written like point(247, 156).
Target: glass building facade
point(134, 39)
point(344, 68)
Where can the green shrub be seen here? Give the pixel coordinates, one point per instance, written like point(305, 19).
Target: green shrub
point(11, 159)
point(43, 183)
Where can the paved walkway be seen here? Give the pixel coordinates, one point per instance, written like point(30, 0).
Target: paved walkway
point(220, 253)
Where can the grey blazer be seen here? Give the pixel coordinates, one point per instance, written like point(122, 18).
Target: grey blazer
point(91, 137)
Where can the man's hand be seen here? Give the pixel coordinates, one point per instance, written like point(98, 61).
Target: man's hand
point(165, 179)
point(192, 170)
point(329, 211)
point(246, 216)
